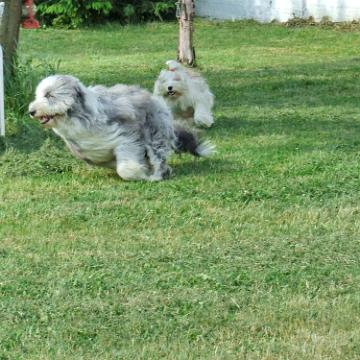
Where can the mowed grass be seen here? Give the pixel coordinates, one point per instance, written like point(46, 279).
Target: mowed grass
point(253, 254)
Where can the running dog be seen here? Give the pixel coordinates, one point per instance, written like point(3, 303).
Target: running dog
point(186, 93)
point(121, 127)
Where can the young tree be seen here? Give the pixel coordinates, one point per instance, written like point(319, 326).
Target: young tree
point(186, 51)
point(9, 32)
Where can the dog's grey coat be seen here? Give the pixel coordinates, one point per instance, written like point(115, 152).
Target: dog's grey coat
point(123, 127)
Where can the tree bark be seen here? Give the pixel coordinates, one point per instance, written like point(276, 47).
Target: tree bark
point(186, 51)
point(9, 33)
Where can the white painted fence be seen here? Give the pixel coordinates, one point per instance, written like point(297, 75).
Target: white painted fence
point(2, 110)
point(281, 10)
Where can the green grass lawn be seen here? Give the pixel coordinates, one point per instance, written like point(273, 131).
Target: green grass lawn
point(253, 254)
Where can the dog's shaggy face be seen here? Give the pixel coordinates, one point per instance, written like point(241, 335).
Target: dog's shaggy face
point(186, 93)
point(55, 96)
point(171, 84)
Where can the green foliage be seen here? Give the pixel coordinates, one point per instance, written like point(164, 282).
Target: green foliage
point(162, 7)
point(74, 13)
point(19, 91)
point(140, 10)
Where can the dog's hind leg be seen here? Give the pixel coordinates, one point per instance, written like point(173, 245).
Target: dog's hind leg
point(130, 164)
point(158, 139)
point(158, 161)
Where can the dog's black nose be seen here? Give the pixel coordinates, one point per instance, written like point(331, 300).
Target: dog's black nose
point(32, 113)
point(170, 88)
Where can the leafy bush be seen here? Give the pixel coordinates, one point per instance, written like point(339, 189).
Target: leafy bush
point(130, 11)
point(74, 13)
point(20, 89)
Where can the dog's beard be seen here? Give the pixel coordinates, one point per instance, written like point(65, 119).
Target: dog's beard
point(172, 94)
point(48, 121)
point(47, 115)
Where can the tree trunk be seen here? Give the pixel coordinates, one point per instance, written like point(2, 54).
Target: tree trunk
point(9, 33)
point(186, 51)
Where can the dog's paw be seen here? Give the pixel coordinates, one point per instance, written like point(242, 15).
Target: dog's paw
point(204, 121)
point(131, 170)
point(165, 174)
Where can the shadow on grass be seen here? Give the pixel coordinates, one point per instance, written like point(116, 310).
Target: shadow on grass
point(285, 124)
point(27, 139)
point(201, 167)
point(187, 167)
point(305, 85)
point(287, 93)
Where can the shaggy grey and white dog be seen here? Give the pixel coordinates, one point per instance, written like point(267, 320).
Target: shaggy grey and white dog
point(186, 93)
point(122, 127)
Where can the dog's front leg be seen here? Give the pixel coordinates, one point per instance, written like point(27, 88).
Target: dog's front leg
point(202, 115)
point(130, 163)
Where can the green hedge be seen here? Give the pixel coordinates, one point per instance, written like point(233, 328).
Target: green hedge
point(74, 13)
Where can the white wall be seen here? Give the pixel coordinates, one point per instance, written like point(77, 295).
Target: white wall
point(2, 109)
point(281, 10)
point(2, 4)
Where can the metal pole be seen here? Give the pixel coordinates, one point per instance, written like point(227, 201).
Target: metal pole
point(2, 108)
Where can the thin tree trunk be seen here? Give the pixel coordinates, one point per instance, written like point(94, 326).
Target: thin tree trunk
point(186, 51)
point(9, 33)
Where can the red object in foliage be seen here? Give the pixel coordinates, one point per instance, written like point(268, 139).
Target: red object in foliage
point(30, 22)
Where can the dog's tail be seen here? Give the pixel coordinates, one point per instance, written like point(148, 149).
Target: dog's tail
point(187, 142)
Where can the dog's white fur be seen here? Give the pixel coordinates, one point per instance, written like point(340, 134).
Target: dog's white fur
point(122, 127)
point(186, 93)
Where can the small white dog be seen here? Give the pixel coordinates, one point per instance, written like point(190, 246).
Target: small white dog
point(186, 93)
point(121, 127)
